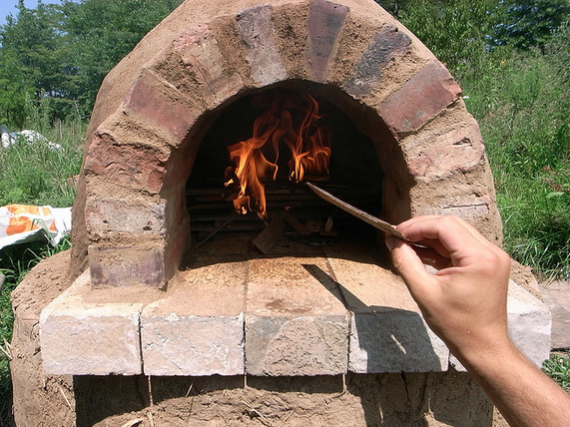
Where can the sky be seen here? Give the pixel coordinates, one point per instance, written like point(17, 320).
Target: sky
point(9, 6)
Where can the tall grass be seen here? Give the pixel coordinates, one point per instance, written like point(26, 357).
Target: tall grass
point(524, 114)
point(36, 173)
point(33, 173)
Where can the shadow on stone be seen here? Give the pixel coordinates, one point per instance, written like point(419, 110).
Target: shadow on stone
point(407, 383)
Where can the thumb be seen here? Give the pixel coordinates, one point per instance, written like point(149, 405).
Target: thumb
point(409, 266)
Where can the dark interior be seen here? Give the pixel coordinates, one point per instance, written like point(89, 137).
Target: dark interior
point(355, 174)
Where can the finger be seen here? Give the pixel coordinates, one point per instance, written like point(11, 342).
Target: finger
point(454, 235)
point(432, 257)
point(410, 267)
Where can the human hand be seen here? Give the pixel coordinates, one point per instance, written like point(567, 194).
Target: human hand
point(464, 302)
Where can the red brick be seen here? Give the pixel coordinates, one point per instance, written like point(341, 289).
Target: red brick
point(199, 51)
point(324, 24)
point(138, 167)
point(127, 266)
point(458, 150)
point(149, 100)
point(367, 75)
point(255, 28)
point(421, 99)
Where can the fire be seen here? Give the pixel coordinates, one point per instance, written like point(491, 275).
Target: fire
point(292, 121)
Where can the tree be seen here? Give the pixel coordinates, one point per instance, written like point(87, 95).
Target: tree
point(30, 59)
point(457, 31)
point(530, 23)
point(63, 52)
point(100, 33)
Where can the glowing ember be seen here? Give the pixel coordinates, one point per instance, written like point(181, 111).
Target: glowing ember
point(292, 120)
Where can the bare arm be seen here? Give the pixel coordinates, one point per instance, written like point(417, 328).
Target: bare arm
point(465, 304)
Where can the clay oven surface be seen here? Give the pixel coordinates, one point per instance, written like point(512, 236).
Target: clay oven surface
point(154, 108)
point(317, 334)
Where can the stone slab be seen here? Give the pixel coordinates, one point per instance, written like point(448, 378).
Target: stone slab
point(529, 323)
point(296, 323)
point(197, 329)
point(387, 331)
point(557, 296)
point(88, 338)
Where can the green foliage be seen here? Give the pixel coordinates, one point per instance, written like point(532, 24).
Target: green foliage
point(14, 89)
point(524, 114)
point(101, 33)
point(558, 50)
point(530, 23)
point(15, 262)
point(36, 173)
point(456, 31)
point(64, 51)
point(558, 368)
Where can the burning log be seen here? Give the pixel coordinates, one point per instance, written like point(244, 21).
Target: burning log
point(269, 237)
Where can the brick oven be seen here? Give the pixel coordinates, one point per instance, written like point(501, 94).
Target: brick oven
point(171, 281)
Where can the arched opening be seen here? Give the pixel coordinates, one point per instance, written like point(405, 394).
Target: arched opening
point(295, 136)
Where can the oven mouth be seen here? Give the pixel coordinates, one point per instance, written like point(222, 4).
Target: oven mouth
point(352, 173)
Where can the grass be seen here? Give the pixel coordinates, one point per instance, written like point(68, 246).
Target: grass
point(38, 175)
point(558, 368)
point(524, 114)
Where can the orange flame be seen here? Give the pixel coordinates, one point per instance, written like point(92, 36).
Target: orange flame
point(292, 121)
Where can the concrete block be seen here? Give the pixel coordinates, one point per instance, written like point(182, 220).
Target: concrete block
point(420, 99)
point(324, 24)
point(87, 338)
point(388, 43)
point(387, 331)
point(296, 322)
point(107, 217)
point(198, 327)
point(255, 28)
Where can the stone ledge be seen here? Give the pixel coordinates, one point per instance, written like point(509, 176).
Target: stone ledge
point(85, 338)
point(320, 316)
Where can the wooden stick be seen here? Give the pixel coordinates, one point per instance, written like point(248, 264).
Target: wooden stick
point(366, 217)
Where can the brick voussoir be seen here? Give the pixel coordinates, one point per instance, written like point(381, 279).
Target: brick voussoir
point(324, 24)
point(386, 45)
point(200, 53)
point(421, 99)
point(158, 104)
point(256, 31)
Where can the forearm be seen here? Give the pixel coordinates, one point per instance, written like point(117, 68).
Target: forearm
point(465, 303)
point(524, 395)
